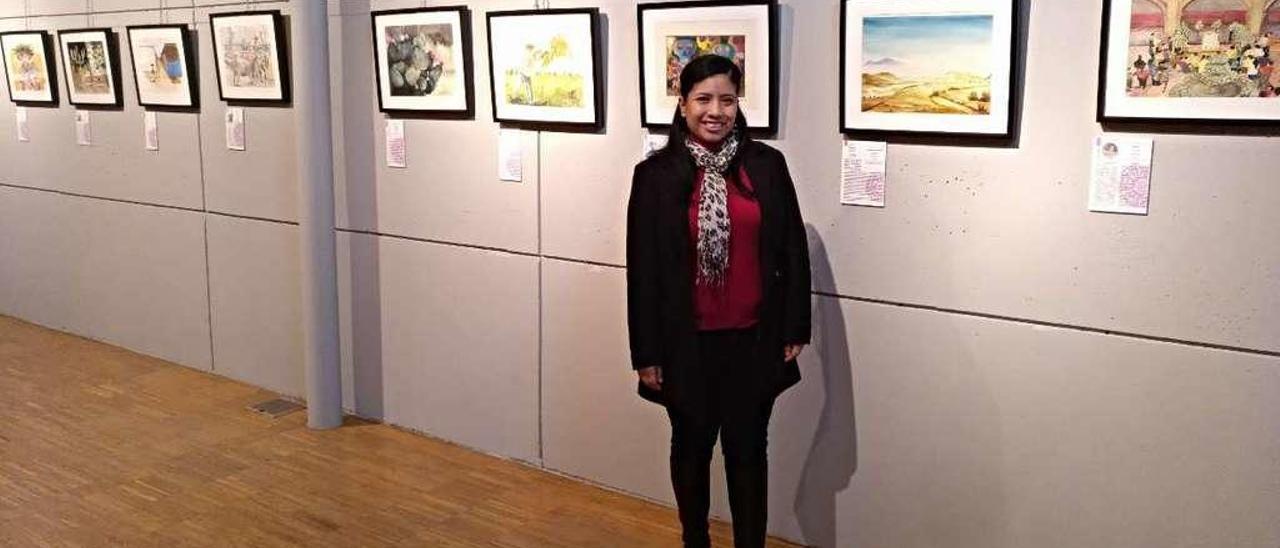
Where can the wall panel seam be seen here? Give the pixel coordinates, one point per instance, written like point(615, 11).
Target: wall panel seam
point(102, 198)
point(1058, 325)
point(886, 302)
point(149, 204)
point(252, 218)
point(437, 242)
point(855, 298)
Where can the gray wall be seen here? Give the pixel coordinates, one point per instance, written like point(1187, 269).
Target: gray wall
point(992, 364)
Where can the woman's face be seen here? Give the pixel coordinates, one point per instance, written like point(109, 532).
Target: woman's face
point(711, 108)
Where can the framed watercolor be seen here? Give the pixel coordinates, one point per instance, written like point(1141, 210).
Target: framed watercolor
point(673, 33)
point(250, 56)
point(545, 68)
point(164, 68)
point(91, 67)
point(422, 61)
point(28, 67)
point(1208, 62)
point(929, 67)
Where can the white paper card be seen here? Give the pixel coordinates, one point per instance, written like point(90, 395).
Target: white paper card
point(150, 133)
point(510, 157)
point(396, 153)
point(653, 142)
point(1121, 181)
point(235, 128)
point(24, 129)
point(862, 173)
point(83, 137)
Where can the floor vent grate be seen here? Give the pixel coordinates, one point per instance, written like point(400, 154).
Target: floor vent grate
point(275, 408)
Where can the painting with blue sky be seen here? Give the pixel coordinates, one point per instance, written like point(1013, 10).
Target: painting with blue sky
point(935, 64)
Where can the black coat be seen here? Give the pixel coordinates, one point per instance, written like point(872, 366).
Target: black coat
point(660, 278)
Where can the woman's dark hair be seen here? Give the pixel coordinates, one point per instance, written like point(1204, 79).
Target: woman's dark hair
point(699, 69)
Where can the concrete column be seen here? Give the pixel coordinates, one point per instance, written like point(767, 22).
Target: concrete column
point(310, 50)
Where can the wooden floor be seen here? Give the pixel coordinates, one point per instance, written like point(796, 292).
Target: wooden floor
point(103, 447)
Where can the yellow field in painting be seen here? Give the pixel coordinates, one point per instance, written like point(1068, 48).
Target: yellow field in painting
point(953, 93)
point(545, 90)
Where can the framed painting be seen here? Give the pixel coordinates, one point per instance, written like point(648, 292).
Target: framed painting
point(249, 56)
point(422, 61)
point(929, 67)
point(545, 68)
point(673, 33)
point(1197, 62)
point(91, 67)
point(28, 67)
point(163, 65)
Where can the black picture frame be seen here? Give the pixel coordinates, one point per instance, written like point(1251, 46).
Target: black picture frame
point(279, 38)
point(1007, 135)
point(660, 120)
point(1189, 123)
point(50, 68)
point(188, 59)
point(464, 18)
point(597, 68)
point(113, 66)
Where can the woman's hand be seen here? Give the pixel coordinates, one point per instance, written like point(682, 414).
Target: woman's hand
point(651, 376)
point(791, 351)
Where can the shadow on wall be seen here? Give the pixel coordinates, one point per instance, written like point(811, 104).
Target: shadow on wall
point(929, 450)
point(359, 112)
point(833, 455)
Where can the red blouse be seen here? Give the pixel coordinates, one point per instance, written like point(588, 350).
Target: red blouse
point(736, 304)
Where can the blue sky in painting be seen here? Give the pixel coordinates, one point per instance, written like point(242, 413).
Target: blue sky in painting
point(927, 45)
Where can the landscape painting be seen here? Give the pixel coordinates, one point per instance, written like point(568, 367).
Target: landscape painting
point(944, 68)
point(927, 64)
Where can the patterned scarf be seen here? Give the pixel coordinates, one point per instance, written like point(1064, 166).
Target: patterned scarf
point(713, 209)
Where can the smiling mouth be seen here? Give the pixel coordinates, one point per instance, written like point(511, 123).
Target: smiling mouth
point(714, 126)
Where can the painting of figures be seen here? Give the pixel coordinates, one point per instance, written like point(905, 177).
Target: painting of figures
point(162, 65)
point(90, 66)
point(674, 33)
point(249, 57)
point(1206, 60)
point(682, 49)
point(28, 67)
point(423, 59)
point(545, 66)
point(1215, 48)
point(931, 64)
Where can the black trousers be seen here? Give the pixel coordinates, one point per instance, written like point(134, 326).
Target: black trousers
point(742, 424)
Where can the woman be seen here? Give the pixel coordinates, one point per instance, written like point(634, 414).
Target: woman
point(717, 294)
